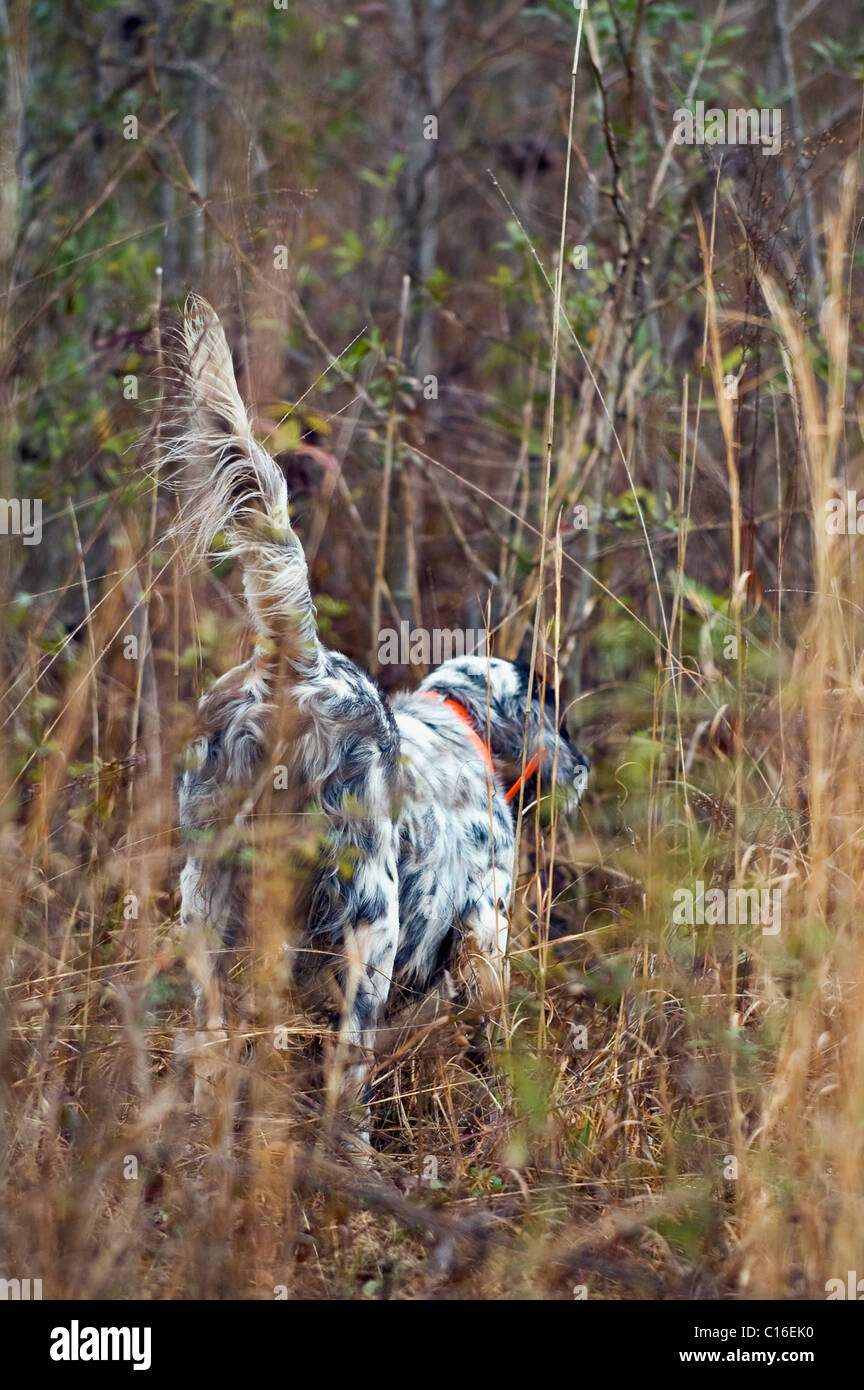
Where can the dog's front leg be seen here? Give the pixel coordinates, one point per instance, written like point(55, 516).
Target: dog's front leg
point(486, 926)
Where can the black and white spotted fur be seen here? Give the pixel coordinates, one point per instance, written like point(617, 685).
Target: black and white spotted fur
point(405, 839)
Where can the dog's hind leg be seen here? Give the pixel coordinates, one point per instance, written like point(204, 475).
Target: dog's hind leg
point(210, 1040)
point(212, 805)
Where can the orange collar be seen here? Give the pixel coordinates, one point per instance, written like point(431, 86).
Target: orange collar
point(461, 711)
point(481, 746)
point(530, 768)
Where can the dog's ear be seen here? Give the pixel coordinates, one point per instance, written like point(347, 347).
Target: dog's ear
point(216, 401)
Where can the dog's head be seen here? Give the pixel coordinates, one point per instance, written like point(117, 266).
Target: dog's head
point(495, 693)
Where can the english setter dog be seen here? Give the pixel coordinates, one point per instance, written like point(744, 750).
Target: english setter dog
point(402, 824)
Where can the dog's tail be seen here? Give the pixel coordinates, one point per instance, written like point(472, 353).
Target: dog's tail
point(236, 488)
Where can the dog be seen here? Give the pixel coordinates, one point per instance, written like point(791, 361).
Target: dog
point(406, 805)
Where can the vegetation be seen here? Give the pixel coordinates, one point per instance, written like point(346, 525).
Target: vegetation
point(624, 460)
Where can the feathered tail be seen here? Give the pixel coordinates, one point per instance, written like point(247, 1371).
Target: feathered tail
point(237, 488)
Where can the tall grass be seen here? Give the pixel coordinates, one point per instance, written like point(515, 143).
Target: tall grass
point(665, 1111)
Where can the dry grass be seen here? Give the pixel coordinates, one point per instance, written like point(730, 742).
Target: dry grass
point(517, 1157)
point(663, 1110)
